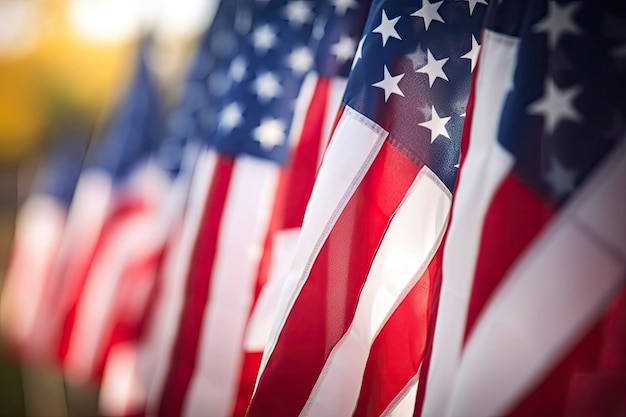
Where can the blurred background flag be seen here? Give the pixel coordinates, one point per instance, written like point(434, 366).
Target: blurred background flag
point(532, 311)
point(46, 78)
point(110, 166)
point(39, 231)
point(120, 278)
point(352, 321)
point(249, 143)
point(135, 374)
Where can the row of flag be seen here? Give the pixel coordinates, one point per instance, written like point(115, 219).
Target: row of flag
point(360, 207)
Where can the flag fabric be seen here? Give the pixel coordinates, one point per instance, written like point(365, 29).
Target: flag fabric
point(39, 230)
point(531, 316)
point(135, 374)
point(338, 29)
point(351, 326)
point(112, 303)
point(236, 178)
point(335, 35)
point(111, 167)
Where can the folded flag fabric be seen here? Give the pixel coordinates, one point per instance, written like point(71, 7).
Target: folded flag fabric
point(351, 327)
point(532, 309)
point(249, 144)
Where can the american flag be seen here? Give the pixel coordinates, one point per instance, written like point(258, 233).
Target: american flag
point(236, 177)
point(334, 40)
point(183, 154)
point(39, 230)
point(532, 308)
point(84, 284)
point(351, 327)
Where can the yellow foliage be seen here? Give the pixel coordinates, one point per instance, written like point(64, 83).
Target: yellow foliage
point(62, 73)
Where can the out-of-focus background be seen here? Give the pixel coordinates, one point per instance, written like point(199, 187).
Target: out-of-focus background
point(67, 62)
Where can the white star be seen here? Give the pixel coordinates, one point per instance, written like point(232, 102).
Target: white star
point(298, 13)
point(390, 84)
point(387, 28)
point(559, 22)
point(342, 6)
point(359, 51)
point(472, 4)
point(344, 49)
point(472, 55)
point(434, 68)
point(429, 12)
point(230, 117)
point(267, 86)
point(436, 125)
point(270, 133)
point(561, 180)
point(237, 69)
point(264, 38)
point(300, 60)
point(556, 105)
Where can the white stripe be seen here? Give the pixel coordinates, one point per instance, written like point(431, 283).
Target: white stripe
point(333, 104)
point(39, 229)
point(241, 241)
point(485, 166)
point(339, 176)
point(159, 345)
point(407, 248)
point(121, 393)
point(261, 320)
point(552, 296)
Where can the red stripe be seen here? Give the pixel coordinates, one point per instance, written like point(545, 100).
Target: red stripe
point(249, 371)
point(436, 281)
point(183, 359)
point(327, 302)
point(514, 218)
point(397, 351)
point(304, 164)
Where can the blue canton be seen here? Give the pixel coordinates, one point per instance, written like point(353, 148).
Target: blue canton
point(206, 83)
point(412, 76)
point(566, 110)
point(265, 78)
point(58, 174)
point(339, 31)
point(135, 130)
